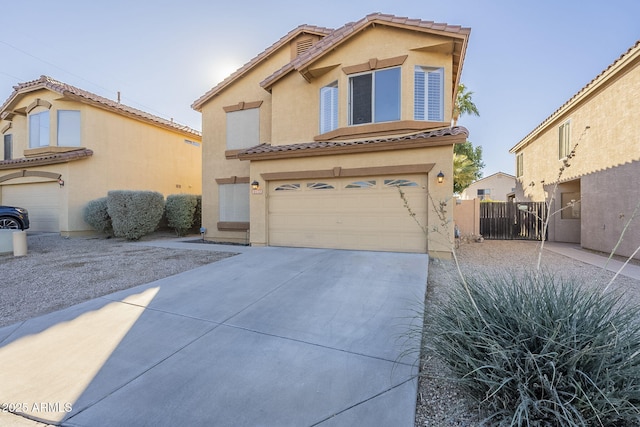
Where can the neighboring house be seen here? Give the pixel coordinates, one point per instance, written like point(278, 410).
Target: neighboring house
point(598, 190)
point(307, 144)
point(64, 146)
point(496, 187)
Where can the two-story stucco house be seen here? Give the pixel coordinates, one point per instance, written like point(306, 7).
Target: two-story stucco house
point(307, 144)
point(599, 191)
point(63, 146)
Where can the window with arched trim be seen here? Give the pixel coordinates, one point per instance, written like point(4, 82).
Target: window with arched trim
point(39, 129)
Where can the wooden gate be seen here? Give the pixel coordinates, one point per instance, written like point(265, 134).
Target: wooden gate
point(512, 221)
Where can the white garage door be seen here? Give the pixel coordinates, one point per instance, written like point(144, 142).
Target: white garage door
point(41, 200)
point(349, 213)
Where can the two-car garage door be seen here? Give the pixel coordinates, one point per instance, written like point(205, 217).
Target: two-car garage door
point(364, 213)
point(40, 199)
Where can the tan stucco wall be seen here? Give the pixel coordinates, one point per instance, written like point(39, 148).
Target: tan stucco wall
point(466, 215)
point(611, 140)
point(128, 155)
point(296, 101)
point(605, 124)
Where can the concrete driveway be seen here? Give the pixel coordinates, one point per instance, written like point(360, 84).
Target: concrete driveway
point(270, 337)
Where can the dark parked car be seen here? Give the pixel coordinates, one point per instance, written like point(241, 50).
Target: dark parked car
point(14, 218)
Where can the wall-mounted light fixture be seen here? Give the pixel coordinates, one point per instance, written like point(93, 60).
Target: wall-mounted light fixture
point(255, 185)
point(61, 182)
point(440, 177)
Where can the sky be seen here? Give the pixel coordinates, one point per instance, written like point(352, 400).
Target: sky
point(524, 59)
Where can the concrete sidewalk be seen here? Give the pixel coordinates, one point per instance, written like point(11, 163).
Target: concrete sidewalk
point(573, 250)
point(269, 337)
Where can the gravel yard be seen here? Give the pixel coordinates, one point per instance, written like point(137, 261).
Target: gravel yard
point(59, 272)
point(440, 403)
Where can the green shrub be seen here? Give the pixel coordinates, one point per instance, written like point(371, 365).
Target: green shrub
point(197, 215)
point(96, 215)
point(542, 351)
point(179, 210)
point(134, 213)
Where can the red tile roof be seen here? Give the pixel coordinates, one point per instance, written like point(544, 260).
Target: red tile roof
point(318, 146)
point(72, 92)
point(345, 32)
point(332, 38)
point(47, 159)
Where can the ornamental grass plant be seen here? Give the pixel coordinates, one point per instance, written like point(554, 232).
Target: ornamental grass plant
point(539, 350)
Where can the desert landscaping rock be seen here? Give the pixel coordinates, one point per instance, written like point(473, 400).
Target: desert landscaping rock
point(59, 272)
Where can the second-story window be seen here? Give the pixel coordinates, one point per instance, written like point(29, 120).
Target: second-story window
point(564, 140)
point(374, 97)
point(329, 108)
point(39, 129)
point(8, 147)
point(428, 94)
point(519, 165)
point(243, 129)
point(69, 128)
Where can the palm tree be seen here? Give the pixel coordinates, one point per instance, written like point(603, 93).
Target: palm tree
point(464, 172)
point(463, 104)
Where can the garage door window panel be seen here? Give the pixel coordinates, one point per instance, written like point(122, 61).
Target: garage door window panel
point(288, 187)
point(234, 202)
point(319, 186)
point(399, 183)
point(361, 184)
point(39, 129)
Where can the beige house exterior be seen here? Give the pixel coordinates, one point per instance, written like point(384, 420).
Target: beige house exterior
point(308, 144)
point(496, 187)
point(598, 189)
point(64, 146)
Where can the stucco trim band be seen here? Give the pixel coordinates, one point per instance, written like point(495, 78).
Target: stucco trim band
point(232, 226)
point(349, 172)
point(242, 106)
point(233, 180)
point(375, 64)
point(25, 173)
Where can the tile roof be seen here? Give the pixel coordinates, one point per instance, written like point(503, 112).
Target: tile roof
point(318, 146)
point(593, 85)
point(47, 159)
point(346, 31)
point(331, 39)
point(46, 82)
point(311, 29)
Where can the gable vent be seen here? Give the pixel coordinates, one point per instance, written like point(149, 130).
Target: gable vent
point(303, 45)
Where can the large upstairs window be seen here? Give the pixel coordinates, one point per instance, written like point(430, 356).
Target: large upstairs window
point(429, 94)
point(39, 129)
point(374, 97)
